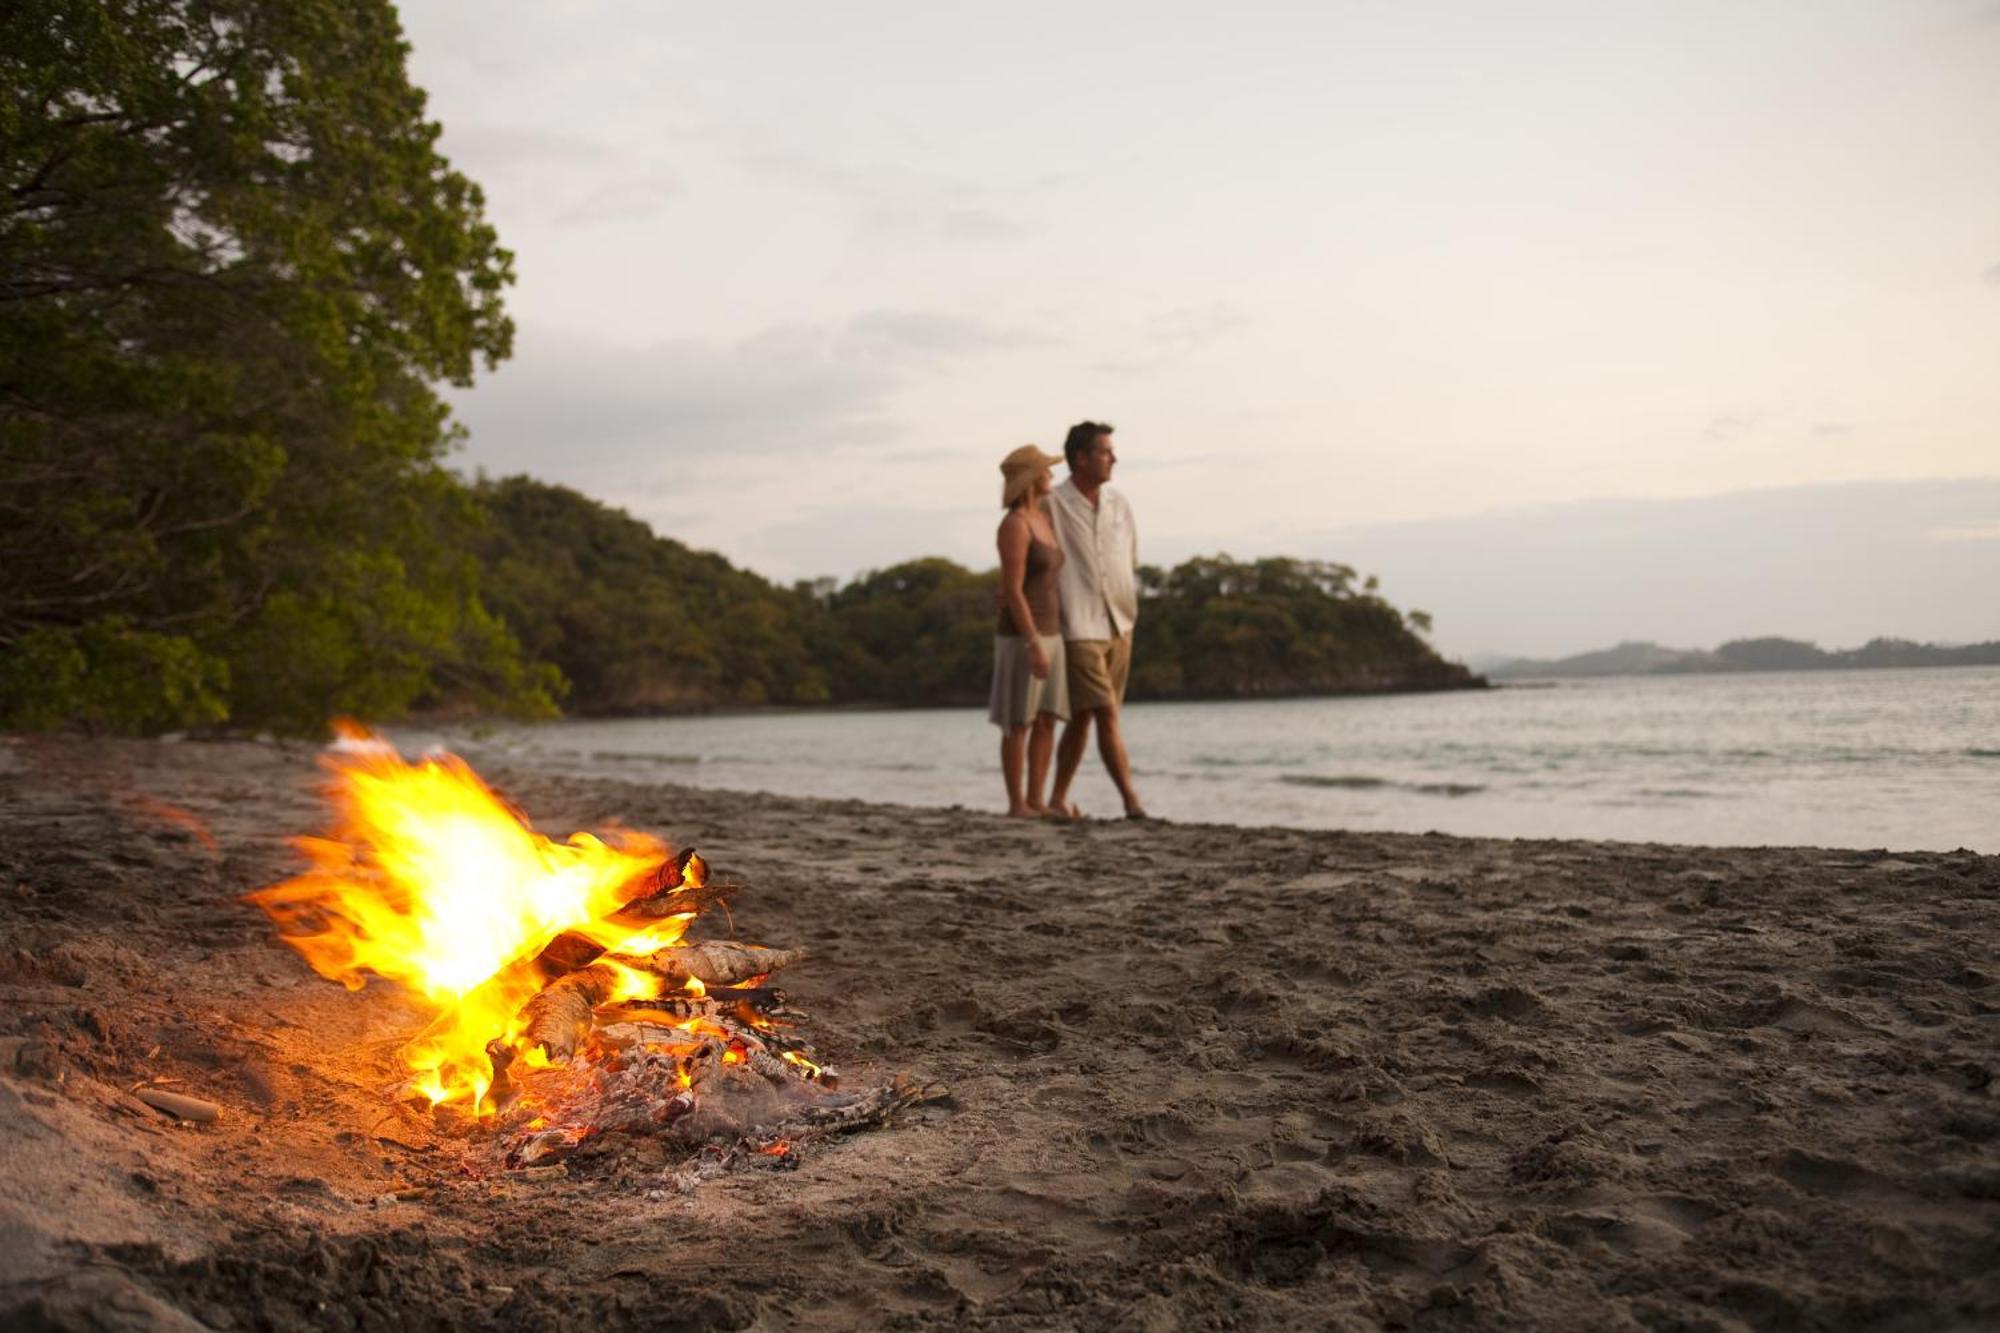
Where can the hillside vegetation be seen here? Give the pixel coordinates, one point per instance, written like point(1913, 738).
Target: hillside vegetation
point(640, 623)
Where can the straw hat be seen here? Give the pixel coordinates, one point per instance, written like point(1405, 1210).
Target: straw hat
point(1019, 470)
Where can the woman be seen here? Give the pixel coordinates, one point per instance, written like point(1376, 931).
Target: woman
point(1030, 684)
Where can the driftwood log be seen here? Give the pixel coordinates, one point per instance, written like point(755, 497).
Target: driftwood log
point(559, 1017)
point(179, 1106)
point(716, 962)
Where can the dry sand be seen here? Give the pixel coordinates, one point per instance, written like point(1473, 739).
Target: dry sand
point(1202, 1077)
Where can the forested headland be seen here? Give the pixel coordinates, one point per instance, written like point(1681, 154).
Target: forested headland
point(235, 271)
point(635, 622)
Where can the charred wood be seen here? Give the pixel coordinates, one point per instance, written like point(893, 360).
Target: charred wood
point(566, 953)
point(739, 1002)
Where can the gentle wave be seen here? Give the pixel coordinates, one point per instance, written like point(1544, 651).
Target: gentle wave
point(636, 757)
point(1976, 753)
point(1240, 761)
point(1315, 780)
point(1362, 782)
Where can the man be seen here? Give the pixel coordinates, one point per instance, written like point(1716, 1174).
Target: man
point(1100, 604)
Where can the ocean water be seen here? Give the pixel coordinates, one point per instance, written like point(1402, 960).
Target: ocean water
point(1896, 759)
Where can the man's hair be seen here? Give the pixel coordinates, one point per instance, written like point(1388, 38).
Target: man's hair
point(1081, 436)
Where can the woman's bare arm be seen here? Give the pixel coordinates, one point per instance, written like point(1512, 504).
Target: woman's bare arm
point(1014, 573)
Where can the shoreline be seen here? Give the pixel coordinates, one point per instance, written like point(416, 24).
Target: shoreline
point(420, 719)
point(295, 747)
point(1198, 1073)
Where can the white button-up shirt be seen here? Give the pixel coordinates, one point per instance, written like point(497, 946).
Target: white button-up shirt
point(1099, 579)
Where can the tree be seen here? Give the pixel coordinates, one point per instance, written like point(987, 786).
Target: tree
point(637, 622)
point(233, 266)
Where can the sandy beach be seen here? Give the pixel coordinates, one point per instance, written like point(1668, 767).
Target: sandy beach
point(1200, 1077)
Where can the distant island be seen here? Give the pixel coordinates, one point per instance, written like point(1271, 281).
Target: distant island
point(1641, 658)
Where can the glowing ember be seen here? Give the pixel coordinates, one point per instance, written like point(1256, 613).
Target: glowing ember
point(431, 881)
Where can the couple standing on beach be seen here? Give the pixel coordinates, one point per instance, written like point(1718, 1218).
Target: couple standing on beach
point(1069, 598)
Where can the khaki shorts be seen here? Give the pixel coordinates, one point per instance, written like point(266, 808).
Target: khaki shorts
point(1097, 671)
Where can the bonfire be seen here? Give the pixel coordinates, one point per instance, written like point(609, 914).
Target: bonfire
point(571, 1006)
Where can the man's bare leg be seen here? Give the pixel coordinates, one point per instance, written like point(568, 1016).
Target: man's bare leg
point(1041, 744)
point(1111, 748)
point(1069, 754)
point(1013, 744)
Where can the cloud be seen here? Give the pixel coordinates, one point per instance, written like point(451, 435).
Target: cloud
point(1827, 430)
point(610, 419)
point(979, 224)
point(599, 416)
point(843, 540)
point(1189, 327)
point(1727, 425)
point(929, 332)
point(1177, 332)
point(1992, 275)
point(637, 197)
point(893, 203)
point(1206, 460)
point(1986, 532)
point(513, 147)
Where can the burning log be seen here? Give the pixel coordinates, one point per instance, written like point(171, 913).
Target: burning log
point(744, 1003)
point(566, 953)
point(559, 1015)
point(716, 963)
point(771, 1067)
point(691, 900)
point(679, 885)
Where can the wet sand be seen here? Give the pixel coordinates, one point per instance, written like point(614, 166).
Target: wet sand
point(1201, 1077)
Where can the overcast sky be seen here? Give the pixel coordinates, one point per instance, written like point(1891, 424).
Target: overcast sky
point(1476, 294)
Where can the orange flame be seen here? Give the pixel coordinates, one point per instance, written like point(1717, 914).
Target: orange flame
point(431, 881)
point(793, 1057)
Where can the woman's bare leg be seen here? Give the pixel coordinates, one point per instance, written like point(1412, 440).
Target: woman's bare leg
point(1041, 744)
point(1013, 744)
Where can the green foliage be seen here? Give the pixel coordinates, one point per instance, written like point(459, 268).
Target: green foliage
point(922, 633)
point(640, 623)
point(106, 674)
point(1220, 628)
point(232, 266)
point(635, 622)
